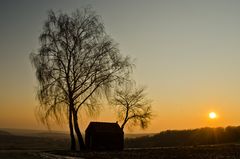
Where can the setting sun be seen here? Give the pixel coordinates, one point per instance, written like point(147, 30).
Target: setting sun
point(212, 115)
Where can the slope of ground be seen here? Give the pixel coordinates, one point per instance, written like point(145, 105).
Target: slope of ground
point(4, 133)
point(12, 142)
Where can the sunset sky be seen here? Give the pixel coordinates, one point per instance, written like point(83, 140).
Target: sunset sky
point(187, 54)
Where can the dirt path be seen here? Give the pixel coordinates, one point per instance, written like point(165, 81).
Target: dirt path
point(52, 156)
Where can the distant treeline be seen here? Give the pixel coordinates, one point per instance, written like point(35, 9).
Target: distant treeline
point(202, 136)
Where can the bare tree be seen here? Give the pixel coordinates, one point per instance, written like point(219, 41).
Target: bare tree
point(76, 64)
point(132, 106)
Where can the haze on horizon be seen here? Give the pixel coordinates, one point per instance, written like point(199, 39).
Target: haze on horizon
point(187, 54)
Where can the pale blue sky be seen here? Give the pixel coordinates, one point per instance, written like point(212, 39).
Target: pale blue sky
point(187, 53)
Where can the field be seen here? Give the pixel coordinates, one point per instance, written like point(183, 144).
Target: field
point(199, 152)
point(202, 152)
point(26, 144)
point(54, 146)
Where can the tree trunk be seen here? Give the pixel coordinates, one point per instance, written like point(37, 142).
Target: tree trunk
point(72, 138)
point(122, 126)
point(125, 119)
point(78, 132)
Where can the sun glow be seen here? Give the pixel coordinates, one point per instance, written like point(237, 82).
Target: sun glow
point(212, 115)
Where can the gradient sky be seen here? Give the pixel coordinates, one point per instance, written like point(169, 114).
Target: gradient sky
point(187, 54)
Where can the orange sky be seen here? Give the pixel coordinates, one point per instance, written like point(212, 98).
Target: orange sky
point(187, 54)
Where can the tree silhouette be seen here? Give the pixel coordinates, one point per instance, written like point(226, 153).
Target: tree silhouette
point(76, 64)
point(132, 106)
